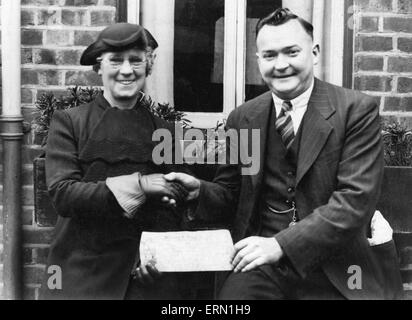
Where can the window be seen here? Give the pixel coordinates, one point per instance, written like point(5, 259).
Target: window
point(198, 55)
point(206, 63)
point(253, 83)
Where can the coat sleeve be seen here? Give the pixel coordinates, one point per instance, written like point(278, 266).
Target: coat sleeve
point(328, 228)
point(70, 195)
point(217, 202)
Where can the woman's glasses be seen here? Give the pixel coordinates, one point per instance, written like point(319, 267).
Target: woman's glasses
point(116, 62)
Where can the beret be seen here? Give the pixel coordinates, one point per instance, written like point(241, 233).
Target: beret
point(118, 37)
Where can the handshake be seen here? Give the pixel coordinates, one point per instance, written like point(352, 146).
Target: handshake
point(172, 188)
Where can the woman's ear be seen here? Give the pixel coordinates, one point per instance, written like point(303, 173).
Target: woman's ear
point(150, 62)
point(96, 68)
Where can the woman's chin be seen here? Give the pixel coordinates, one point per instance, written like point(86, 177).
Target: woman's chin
point(127, 93)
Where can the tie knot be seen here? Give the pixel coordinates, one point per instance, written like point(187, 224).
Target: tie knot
point(287, 105)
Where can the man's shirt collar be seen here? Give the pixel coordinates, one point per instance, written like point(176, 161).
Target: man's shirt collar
point(300, 101)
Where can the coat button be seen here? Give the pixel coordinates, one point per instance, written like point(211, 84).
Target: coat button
point(290, 189)
point(291, 173)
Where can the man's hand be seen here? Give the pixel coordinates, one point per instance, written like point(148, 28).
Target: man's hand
point(190, 183)
point(155, 186)
point(147, 275)
point(253, 252)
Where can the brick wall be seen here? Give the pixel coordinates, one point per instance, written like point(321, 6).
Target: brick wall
point(383, 54)
point(54, 34)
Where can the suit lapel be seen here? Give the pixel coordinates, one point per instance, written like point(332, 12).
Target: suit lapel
point(258, 118)
point(316, 128)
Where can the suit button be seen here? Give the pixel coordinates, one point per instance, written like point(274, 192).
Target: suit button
point(290, 189)
point(291, 173)
point(288, 201)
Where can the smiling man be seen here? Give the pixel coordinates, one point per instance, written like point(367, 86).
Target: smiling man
point(286, 57)
point(302, 222)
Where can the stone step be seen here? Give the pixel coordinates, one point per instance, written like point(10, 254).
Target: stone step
point(403, 242)
point(407, 291)
point(403, 239)
point(406, 273)
point(405, 256)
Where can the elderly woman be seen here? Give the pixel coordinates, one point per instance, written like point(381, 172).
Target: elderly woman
point(102, 180)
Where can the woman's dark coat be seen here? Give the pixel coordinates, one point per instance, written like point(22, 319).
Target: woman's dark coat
point(94, 245)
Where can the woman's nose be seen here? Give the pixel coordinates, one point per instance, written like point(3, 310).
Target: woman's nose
point(126, 68)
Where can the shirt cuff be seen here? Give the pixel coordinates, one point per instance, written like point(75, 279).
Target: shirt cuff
point(128, 192)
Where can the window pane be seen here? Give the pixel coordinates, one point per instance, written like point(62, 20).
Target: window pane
point(198, 55)
point(256, 9)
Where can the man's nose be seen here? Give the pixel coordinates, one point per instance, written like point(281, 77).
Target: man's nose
point(281, 63)
point(126, 68)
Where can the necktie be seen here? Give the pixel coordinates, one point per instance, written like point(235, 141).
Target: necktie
point(284, 124)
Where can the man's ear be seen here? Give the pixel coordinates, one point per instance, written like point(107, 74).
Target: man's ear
point(316, 54)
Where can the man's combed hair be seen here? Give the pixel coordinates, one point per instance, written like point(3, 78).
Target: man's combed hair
point(281, 16)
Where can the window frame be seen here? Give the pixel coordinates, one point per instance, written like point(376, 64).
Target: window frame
point(231, 83)
point(347, 74)
point(235, 53)
point(122, 10)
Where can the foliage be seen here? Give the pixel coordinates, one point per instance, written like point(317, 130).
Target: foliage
point(397, 143)
point(165, 111)
point(213, 144)
point(47, 103)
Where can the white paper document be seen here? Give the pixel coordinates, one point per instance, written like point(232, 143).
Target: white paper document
point(187, 251)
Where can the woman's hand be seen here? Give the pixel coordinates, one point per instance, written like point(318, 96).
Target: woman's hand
point(156, 186)
point(147, 275)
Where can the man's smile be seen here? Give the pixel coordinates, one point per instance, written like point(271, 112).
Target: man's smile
point(126, 82)
point(284, 76)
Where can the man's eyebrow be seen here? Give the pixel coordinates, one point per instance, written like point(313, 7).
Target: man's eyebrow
point(269, 51)
point(283, 49)
point(292, 47)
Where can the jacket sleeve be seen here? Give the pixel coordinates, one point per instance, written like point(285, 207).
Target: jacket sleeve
point(217, 202)
point(70, 195)
point(319, 235)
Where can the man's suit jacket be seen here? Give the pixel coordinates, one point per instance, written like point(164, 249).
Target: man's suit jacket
point(339, 172)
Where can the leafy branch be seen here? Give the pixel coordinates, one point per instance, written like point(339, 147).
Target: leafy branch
point(397, 143)
point(47, 103)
